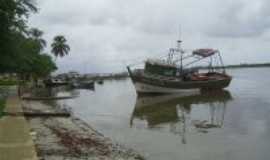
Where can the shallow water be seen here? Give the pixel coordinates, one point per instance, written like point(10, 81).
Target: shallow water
point(225, 125)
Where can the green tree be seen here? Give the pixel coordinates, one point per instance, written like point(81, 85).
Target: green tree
point(42, 66)
point(20, 48)
point(13, 18)
point(31, 62)
point(60, 48)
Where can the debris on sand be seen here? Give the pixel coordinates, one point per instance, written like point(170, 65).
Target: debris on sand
point(69, 138)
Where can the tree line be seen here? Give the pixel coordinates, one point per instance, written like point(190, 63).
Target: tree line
point(21, 46)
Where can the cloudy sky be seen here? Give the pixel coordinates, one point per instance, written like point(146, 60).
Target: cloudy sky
point(104, 35)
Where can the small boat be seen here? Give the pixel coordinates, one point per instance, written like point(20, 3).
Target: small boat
point(54, 82)
point(100, 82)
point(175, 74)
point(83, 85)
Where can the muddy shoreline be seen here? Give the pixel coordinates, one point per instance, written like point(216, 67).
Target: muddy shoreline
point(69, 138)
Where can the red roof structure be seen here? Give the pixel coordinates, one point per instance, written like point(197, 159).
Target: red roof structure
point(205, 52)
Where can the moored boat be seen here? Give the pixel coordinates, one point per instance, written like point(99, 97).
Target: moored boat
point(54, 82)
point(168, 76)
point(83, 85)
point(100, 81)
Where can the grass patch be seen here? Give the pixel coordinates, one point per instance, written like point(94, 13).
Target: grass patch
point(2, 107)
point(8, 82)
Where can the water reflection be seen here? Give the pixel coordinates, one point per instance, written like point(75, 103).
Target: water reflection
point(181, 113)
point(51, 97)
point(54, 91)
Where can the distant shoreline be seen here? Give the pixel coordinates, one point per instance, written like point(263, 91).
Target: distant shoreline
point(235, 66)
point(123, 75)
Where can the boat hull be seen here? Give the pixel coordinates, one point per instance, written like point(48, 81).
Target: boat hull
point(144, 84)
point(83, 85)
point(148, 88)
point(56, 84)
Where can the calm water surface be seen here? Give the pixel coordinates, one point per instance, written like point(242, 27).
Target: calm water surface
point(226, 125)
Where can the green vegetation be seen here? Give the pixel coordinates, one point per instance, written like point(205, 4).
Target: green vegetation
point(8, 82)
point(21, 46)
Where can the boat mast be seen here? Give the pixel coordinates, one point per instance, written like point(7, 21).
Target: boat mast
point(179, 49)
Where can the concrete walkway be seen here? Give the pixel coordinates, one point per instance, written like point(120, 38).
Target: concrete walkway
point(15, 140)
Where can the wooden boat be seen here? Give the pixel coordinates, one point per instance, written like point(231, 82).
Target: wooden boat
point(168, 76)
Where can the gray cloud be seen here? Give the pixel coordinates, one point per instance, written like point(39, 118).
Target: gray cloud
point(106, 34)
point(241, 19)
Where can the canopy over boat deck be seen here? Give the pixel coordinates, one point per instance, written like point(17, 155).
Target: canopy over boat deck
point(204, 52)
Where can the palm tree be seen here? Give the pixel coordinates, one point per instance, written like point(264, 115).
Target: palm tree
point(59, 46)
point(36, 35)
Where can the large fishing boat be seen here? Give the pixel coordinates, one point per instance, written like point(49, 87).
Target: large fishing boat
point(178, 72)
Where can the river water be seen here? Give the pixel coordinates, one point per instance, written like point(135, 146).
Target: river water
point(224, 125)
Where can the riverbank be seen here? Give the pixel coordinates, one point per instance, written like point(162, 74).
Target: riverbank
point(62, 137)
